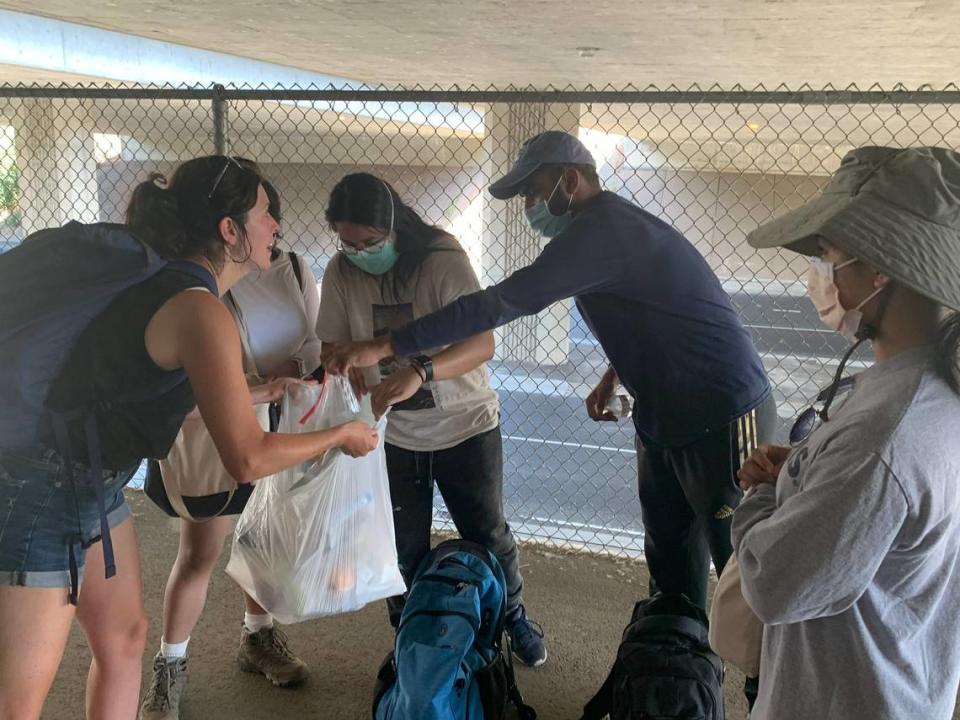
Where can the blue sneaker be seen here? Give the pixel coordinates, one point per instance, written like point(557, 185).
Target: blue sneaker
point(526, 638)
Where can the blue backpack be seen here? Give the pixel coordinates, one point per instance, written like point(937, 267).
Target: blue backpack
point(52, 286)
point(449, 662)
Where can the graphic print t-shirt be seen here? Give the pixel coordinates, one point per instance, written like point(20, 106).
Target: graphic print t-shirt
point(355, 305)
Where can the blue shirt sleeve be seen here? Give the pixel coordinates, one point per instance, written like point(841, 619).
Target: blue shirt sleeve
point(576, 262)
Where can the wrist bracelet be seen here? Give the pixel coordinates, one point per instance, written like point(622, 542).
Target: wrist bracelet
point(421, 373)
point(426, 363)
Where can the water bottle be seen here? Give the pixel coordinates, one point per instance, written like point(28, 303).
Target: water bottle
point(619, 404)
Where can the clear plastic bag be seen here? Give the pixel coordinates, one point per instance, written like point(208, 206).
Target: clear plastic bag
point(317, 539)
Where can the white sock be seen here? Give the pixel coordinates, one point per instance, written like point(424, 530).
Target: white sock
point(173, 650)
point(253, 623)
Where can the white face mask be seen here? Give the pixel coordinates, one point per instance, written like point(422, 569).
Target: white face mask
point(826, 298)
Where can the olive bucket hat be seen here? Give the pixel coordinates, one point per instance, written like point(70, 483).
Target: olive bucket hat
point(898, 210)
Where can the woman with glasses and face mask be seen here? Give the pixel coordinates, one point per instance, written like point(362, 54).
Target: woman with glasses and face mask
point(276, 315)
point(849, 540)
point(444, 426)
point(172, 335)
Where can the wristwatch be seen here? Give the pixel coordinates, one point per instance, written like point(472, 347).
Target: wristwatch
point(427, 364)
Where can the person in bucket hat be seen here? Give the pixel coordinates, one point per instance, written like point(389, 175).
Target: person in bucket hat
point(673, 338)
point(849, 540)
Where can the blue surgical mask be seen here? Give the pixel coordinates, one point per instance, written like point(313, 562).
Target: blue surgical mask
point(543, 221)
point(376, 262)
point(378, 259)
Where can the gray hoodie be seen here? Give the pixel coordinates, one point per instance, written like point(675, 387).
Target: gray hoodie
point(853, 560)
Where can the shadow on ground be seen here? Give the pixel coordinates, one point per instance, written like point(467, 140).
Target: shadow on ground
point(582, 601)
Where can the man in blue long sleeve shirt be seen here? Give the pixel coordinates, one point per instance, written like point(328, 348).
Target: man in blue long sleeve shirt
point(673, 339)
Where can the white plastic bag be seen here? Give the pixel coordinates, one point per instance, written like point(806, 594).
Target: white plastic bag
point(317, 539)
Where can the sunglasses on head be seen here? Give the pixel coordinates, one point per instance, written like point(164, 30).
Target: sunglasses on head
point(226, 166)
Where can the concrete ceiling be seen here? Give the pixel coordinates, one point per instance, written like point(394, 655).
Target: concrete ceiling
point(535, 42)
point(16, 74)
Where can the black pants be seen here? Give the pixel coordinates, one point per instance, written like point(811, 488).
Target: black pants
point(687, 498)
point(470, 478)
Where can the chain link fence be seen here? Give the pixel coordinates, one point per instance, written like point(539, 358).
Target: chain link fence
point(713, 163)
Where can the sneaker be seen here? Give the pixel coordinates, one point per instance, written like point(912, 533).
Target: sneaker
point(162, 701)
point(266, 652)
point(526, 638)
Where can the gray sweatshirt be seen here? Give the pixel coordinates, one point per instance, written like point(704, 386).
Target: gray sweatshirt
point(853, 560)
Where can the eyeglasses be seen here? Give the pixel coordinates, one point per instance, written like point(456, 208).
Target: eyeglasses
point(810, 419)
point(216, 183)
point(374, 249)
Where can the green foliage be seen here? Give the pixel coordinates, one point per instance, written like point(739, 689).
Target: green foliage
point(9, 188)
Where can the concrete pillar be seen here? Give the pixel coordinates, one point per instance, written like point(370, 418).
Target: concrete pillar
point(56, 155)
point(508, 242)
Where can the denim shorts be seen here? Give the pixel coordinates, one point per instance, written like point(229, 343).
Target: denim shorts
point(44, 517)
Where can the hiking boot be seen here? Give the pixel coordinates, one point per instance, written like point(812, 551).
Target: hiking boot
point(266, 652)
point(526, 638)
point(162, 701)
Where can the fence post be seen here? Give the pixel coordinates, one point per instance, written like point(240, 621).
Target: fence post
point(219, 106)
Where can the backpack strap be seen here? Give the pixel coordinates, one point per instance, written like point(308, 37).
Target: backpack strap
point(95, 459)
point(295, 264)
point(96, 480)
point(598, 707)
point(386, 679)
point(174, 493)
point(88, 416)
point(199, 272)
point(524, 711)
